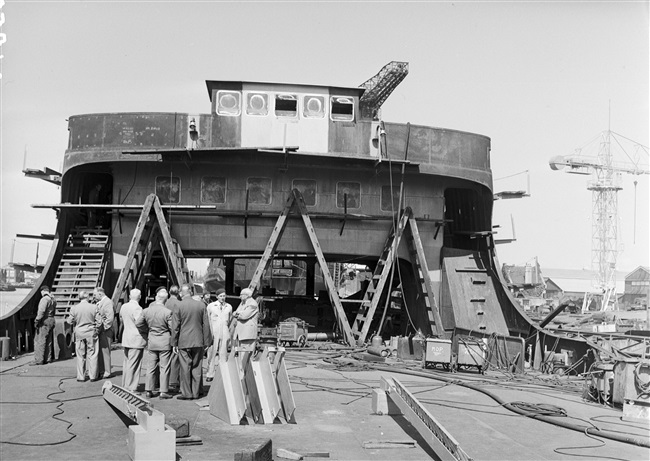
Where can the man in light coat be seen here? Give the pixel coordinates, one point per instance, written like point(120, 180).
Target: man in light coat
point(132, 342)
point(107, 314)
point(191, 337)
point(246, 317)
point(156, 322)
point(83, 317)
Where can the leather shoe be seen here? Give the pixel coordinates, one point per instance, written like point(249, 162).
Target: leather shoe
point(149, 395)
point(81, 380)
point(92, 380)
point(182, 397)
point(106, 376)
point(165, 396)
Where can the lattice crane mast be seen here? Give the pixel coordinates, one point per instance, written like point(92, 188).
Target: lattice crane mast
point(604, 186)
point(379, 87)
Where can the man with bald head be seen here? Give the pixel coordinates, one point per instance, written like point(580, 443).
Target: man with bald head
point(191, 337)
point(83, 317)
point(156, 322)
point(132, 341)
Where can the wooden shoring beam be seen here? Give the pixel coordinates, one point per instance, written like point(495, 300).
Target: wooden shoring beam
point(295, 198)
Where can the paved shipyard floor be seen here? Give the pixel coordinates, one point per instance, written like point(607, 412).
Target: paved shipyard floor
point(47, 415)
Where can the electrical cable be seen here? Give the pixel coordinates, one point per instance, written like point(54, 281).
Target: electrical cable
point(590, 456)
point(548, 419)
point(54, 416)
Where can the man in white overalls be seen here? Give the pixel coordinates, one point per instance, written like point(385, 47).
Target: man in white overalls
point(219, 315)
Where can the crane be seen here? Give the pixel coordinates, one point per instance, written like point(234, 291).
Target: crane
point(605, 184)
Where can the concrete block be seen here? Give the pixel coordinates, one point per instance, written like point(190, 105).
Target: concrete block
point(261, 452)
point(381, 405)
point(180, 425)
point(143, 445)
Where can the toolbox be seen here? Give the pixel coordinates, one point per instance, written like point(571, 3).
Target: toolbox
point(471, 352)
point(292, 332)
point(437, 351)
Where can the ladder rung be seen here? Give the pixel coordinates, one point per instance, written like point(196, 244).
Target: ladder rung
point(477, 300)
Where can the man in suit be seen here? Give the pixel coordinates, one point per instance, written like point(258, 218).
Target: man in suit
point(44, 325)
point(246, 317)
point(107, 314)
point(132, 342)
point(156, 322)
point(173, 304)
point(191, 337)
point(83, 317)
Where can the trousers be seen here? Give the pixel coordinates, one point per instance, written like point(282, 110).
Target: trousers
point(105, 341)
point(158, 362)
point(44, 341)
point(191, 372)
point(87, 351)
point(131, 367)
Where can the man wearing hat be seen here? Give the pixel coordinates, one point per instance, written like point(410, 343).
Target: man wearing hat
point(156, 322)
point(44, 325)
point(219, 315)
point(133, 341)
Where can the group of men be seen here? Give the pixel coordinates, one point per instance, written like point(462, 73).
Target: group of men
point(173, 333)
point(93, 323)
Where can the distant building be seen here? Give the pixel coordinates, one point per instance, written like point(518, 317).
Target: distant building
point(637, 285)
point(575, 283)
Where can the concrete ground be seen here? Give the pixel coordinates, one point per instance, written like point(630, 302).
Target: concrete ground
point(47, 415)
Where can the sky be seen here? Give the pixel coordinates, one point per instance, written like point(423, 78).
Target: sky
point(540, 79)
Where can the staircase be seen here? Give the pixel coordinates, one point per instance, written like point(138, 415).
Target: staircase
point(81, 267)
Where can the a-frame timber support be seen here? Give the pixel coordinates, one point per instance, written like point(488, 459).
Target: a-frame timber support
point(295, 200)
point(151, 233)
point(368, 307)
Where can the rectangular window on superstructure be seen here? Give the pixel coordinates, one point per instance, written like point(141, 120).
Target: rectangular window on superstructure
point(257, 104)
point(259, 191)
point(213, 189)
point(168, 189)
point(307, 188)
point(341, 109)
point(313, 106)
point(228, 103)
point(386, 199)
point(286, 105)
point(348, 192)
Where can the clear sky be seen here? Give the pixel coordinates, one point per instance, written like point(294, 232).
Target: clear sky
point(538, 78)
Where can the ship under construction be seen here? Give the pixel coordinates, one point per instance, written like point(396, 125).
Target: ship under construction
point(287, 181)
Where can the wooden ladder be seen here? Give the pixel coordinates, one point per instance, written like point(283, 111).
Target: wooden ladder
point(371, 297)
point(296, 200)
point(81, 267)
point(151, 233)
point(406, 225)
point(421, 270)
